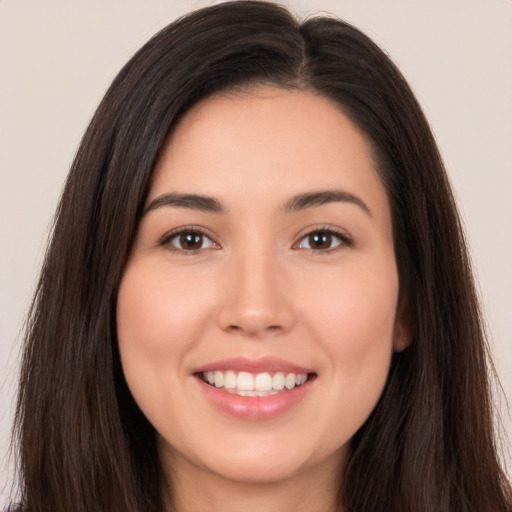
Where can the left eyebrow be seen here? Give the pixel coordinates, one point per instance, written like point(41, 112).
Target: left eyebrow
point(191, 201)
point(312, 199)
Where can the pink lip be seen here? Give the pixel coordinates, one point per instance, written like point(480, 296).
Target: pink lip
point(264, 364)
point(258, 407)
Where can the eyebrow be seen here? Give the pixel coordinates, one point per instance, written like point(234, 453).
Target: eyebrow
point(296, 203)
point(192, 201)
point(312, 199)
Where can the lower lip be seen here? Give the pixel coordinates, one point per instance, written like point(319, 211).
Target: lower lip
point(254, 407)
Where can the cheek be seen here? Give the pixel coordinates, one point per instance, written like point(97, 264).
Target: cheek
point(353, 320)
point(357, 306)
point(155, 310)
point(158, 322)
point(361, 320)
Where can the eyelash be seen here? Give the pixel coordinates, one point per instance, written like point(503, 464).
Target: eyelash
point(166, 240)
point(344, 240)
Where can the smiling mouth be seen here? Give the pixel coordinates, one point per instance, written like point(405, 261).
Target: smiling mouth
point(254, 384)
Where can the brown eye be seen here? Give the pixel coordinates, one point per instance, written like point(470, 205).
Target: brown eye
point(322, 241)
point(189, 241)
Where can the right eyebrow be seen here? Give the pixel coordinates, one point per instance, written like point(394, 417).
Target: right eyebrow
point(312, 199)
point(192, 201)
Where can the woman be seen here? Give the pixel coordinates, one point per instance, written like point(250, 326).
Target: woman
point(257, 292)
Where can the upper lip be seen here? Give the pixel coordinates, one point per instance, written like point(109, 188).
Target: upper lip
point(260, 365)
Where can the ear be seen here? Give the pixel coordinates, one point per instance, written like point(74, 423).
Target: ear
point(403, 332)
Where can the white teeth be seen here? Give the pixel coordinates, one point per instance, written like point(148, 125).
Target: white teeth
point(230, 380)
point(219, 379)
point(256, 393)
point(265, 393)
point(245, 381)
point(289, 381)
point(263, 382)
point(278, 381)
point(260, 384)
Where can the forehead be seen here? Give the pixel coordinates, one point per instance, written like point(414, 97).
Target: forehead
point(264, 143)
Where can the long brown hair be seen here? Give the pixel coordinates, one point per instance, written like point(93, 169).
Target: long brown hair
point(83, 443)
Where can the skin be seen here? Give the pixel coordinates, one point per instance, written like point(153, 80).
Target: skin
point(256, 288)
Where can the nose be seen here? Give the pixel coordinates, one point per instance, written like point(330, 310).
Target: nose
point(257, 299)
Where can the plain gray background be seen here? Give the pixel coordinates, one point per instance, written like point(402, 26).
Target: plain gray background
point(58, 57)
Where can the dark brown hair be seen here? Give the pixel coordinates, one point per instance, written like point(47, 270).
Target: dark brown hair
point(83, 443)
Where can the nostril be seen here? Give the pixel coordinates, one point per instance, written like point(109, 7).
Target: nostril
point(234, 328)
point(254, 331)
point(245, 318)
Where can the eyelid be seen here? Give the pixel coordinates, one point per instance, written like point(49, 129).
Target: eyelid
point(346, 240)
point(165, 240)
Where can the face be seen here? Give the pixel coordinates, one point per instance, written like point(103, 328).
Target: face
point(257, 311)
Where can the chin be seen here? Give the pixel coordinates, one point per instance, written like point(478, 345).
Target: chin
point(257, 470)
